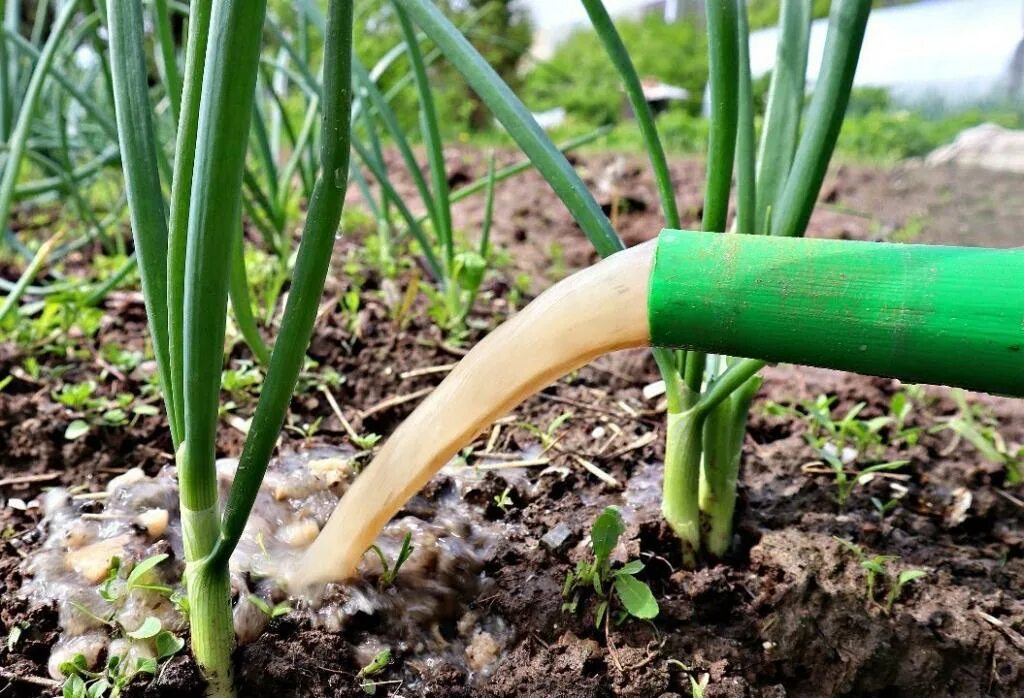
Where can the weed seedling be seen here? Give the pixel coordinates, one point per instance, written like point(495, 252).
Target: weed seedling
point(269, 611)
point(973, 425)
point(633, 595)
point(378, 664)
point(503, 501)
point(877, 570)
point(390, 573)
point(847, 482)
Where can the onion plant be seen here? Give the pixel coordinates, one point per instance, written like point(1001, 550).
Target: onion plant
point(185, 279)
point(58, 131)
point(777, 183)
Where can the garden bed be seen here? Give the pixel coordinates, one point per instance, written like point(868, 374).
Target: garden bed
point(786, 615)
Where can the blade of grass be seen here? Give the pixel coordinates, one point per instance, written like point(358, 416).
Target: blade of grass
point(431, 137)
point(518, 121)
point(241, 303)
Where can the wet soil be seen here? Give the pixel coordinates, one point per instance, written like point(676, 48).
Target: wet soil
point(785, 615)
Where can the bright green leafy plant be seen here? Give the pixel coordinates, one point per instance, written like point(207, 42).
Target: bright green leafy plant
point(618, 590)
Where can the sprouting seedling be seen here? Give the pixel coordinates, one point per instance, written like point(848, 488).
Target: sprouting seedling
point(547, 436)
point(390, 573)
point(116, 674)
point(634, 596)
point(376, 665)
point(876, 570)
point(846, 482)
point(972, 425)
point(114, 590)
point(896, 586)
point(503, 501)
point(275, 611)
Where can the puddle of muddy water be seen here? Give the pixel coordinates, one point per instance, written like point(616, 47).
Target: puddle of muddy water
point(426, 612)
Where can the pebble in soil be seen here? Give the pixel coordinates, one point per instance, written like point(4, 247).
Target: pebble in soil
point(425, 612)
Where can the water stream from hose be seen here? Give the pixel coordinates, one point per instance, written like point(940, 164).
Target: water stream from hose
point(593, 312)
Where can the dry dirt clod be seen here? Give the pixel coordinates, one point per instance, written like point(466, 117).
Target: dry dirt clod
point(482, 651)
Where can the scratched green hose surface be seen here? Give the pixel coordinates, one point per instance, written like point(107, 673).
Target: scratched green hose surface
point(920, 313)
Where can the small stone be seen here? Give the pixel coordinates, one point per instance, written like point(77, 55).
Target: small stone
point(93, 561)
point(331, 470)
point(299, 534)
point(154, 521)
point(482, 651)
point(558, 539)
point(89, 646)
point(653, 390)
point(127, 478)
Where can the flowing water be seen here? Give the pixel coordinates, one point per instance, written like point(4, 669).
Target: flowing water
point(593, 312)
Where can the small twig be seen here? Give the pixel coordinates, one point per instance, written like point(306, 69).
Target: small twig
point(513, 464)
point(645, 440)
point(352, 435)
point(1015, 638)
point(26, 479)
point(598, 473)
point(28, 678)
point(395, 402)
point(493, 440)
point(443, 368)
point(577, 403)
point(611, 645)
point(1010, 498)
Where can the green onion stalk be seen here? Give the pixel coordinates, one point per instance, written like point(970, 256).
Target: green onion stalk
point(777, 183)
point(186, 282)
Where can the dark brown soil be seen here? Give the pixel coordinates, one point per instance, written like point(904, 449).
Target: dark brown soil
point(785, 615)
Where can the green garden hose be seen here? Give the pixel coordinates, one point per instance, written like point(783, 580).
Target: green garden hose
point(919, 313)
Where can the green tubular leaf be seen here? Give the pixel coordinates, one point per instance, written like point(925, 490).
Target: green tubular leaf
point(746, 194)
point(142, 182)
point(617, 52)
point(228, 90)
point(785, 104)
point(431, 136)
point(18, 141)
point(27, 276)
point(619, 56)
point(847, 23)
point(723, 66)
point(238, 291)
point(312, 262)
point(388, 190)
point(181, 190)
point(386, 115)
point(168, 60)
point(519, 123)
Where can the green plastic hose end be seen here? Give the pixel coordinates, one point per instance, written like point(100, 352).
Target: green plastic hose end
point(920, 313)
